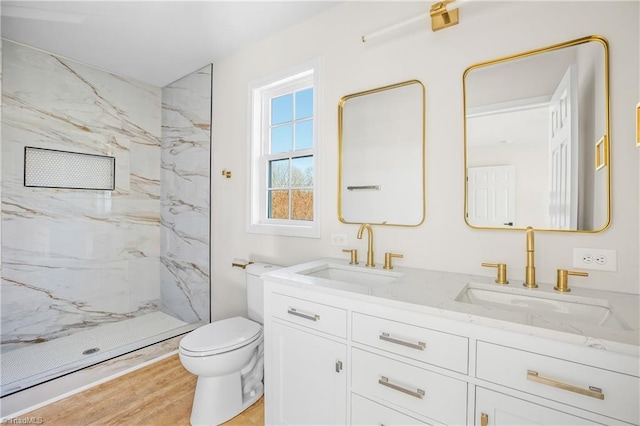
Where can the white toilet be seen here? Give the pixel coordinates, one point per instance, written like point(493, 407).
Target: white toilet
point(227, 357)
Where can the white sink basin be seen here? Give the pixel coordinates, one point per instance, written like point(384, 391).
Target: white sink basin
point(352, 274)
point(538, 305)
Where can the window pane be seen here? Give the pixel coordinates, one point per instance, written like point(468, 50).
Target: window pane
point(282, 109)
point(278, 204)
point(304, 103)
point(304, 135)
point(302, 171)
point(281, 139)
point(279, 174)
point(302, 204)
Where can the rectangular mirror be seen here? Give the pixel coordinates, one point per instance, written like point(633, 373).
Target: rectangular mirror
point(381, 144)
point(537, 146)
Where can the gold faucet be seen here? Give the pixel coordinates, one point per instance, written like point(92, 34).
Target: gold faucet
point(501, 278)
point(354, 255)
point(530, 270)
point(388, 264)
point(562, 284)
point(369, 229)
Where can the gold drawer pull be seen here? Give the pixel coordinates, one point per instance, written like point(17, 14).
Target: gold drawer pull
point(311, 317)
point(420, 345)
point(592, 391)
point(418, 393)
point(484, 419)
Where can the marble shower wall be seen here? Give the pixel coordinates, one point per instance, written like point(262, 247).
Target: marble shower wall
point(185, 225)
point(72, 259)
point(0, 153)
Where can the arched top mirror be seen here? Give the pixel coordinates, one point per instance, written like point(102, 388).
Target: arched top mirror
point(381, 144)
point(537, 139)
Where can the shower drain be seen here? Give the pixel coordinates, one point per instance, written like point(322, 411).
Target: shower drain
point(90, 351)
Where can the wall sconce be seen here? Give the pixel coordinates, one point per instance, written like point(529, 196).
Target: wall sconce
point(442, 18)
point(443, 15)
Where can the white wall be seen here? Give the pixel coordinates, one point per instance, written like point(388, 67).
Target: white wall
point(487, 30)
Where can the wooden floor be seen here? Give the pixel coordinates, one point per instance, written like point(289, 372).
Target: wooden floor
point(159, 394)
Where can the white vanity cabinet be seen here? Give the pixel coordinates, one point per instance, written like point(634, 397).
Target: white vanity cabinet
point(497, 409)
point(588, 388)
point(393, 362)
point(305, 375)
point(310, 383)
point(409, 388)
point(336, 358)
point(367, 412)
point(419, 343)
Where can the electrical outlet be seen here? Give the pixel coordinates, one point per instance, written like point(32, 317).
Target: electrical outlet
point(601, 259)
point(595, 259)
point(339, 239)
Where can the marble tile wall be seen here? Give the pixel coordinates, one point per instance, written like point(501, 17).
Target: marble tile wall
point(1, 41)
point(73, 259)
point(185, 226)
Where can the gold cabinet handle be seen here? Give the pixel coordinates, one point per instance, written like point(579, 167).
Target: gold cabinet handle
point(420, 345)
point(501, 278)
point(484, 419)
point(418, 393)
point(311, 317)
point(592, 391)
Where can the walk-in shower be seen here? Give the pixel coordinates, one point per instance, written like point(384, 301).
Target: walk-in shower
point(89, 274)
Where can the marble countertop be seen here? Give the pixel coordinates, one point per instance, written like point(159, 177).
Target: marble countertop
point(439, 293)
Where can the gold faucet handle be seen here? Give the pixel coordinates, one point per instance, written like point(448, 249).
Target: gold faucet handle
point(562, 283)
point(388, 257)
point(354, 255)
point(501, 278)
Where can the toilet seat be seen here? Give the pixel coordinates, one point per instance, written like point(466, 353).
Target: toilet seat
point(220, 336)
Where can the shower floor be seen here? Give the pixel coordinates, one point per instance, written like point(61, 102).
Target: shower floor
point(35, 364)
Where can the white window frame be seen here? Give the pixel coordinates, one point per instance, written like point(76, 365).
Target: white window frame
point(293, 79)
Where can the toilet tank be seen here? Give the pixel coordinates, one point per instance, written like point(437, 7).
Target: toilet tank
point(255, 294)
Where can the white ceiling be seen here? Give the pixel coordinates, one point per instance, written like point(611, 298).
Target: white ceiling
point(523, 127)
point(153, 41)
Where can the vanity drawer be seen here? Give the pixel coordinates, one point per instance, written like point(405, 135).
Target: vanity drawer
point(422, 344)
point(366, 412)
point(310, 314)
point(593, 389)
point(429, 394)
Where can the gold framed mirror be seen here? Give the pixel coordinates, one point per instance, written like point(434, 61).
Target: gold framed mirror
point(638, 125)
point(381, 151)
point(537, 142)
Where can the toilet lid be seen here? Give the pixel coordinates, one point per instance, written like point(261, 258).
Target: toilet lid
point(221, 336)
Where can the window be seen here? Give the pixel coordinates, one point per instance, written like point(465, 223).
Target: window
point(284, 160)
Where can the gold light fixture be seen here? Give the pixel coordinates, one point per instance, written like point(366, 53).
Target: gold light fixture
point(443, 15)
point(442, 18)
